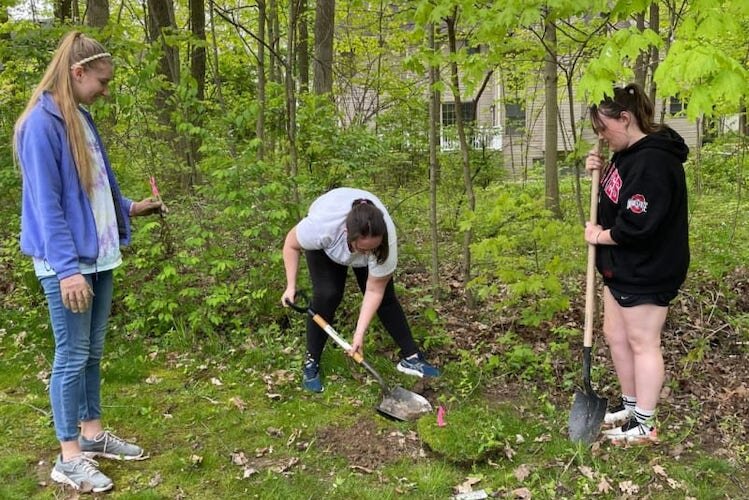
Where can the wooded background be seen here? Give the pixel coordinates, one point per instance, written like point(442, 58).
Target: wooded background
point(245, 111)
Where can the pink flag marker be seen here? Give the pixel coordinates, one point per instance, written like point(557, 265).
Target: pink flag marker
point(154, 188)
point(441, 416)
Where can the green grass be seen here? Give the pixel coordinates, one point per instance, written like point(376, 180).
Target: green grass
point(172, 403)
point(164, 391)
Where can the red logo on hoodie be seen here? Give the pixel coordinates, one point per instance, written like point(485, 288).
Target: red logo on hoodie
point(612, 184)
point(637, 204)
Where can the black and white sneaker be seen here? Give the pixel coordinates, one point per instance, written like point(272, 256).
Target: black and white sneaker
point(632, 432)
point(617, 415)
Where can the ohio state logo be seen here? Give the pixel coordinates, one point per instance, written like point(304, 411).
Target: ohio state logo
point(637, 204)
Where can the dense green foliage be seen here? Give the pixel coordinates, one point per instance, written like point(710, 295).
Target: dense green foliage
point(197, 297)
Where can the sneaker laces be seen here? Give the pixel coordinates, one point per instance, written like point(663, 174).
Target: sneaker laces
point(89, 465)
point(311, 367)
point(642, 427)
point(108, 437)
point(418, 362)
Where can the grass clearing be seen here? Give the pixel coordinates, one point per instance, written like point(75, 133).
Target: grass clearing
point(238, 425)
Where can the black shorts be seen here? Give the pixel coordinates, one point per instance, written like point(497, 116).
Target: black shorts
point(662, 299)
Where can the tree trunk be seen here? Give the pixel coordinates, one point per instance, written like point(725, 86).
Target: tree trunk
point(274, 75)
point(62, 10)
point(654, 56)
point(217, 80)
point(161, 21)
point(550, 145)
point(434, 166)
point(303, 47)
point(260, 121)
point(271, 14)
point(97, 13)
point(577, 187)
point(380, 46)
point(291, 95)
point(465, 159)
point(641, 65)
point(197, 71)
point(323, 62)
point(197, 59)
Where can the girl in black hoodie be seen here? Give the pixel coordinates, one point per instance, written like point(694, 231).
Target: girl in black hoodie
point(642, 249)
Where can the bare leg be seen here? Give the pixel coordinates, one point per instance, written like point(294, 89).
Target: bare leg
point(614, 327)
point(91, 428)
point(644, 324)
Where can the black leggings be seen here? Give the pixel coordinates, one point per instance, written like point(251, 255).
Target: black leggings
point(328, 282)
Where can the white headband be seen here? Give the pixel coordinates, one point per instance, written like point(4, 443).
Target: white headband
point(91, 58)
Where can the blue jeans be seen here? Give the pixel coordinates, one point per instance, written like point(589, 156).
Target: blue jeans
point(79, 342)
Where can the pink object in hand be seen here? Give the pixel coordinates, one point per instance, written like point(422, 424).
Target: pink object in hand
point(441, 416)
point(154, 188)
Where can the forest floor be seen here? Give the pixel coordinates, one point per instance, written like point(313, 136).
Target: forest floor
point(705, 398)
point(235, 424)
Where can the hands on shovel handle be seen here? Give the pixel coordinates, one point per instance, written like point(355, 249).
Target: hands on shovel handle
point(397, 402)
point(326, 327)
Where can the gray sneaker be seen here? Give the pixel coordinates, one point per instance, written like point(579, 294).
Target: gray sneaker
point(81, 473)
point(107, 445)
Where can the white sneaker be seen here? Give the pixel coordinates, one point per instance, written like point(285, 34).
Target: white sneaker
point(617, 415)
point(81, 473)
point(107, 445)
point(632, 432)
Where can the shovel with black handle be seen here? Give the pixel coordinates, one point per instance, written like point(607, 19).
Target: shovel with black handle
point(588, 409)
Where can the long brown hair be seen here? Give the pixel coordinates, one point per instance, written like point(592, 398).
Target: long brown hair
point(630, 98)
point(75, 48)
point(364, 220)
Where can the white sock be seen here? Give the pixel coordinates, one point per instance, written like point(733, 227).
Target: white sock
point(644, 417)
point(629, 402)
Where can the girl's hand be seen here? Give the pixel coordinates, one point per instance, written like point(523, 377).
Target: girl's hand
point(357, 345)
point(76, 293)
point(594, 161)
point(148, 206)
point(288, 295)
point(593, 233)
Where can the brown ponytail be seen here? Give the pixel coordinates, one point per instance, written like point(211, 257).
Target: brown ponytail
point(631, 99)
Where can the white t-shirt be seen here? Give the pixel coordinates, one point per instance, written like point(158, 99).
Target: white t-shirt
point(324, 228)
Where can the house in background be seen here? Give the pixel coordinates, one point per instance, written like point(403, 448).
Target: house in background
point(516, 126)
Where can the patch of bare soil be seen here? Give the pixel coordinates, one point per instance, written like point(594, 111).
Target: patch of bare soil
point(367, 446)
point(705, 400)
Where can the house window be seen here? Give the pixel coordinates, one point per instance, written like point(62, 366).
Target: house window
point(448, 113)
point(514, 118)
point(676, 105)
point(473, 49)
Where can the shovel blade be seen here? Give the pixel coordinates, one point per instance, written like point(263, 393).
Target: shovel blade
point(586, 417)
point(402, 404)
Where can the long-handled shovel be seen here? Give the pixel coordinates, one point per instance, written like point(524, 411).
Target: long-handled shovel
point(397, 402)
point(588, 409)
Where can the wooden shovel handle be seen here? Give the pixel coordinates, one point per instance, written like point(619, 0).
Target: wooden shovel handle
point(590, 276)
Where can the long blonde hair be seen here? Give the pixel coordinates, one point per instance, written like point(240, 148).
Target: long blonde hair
point(75, 48)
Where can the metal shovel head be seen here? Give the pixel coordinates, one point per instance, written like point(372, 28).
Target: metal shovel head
point(586, 417)
point(402, 404)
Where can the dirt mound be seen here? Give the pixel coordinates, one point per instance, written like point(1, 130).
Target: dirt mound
point(367, 446)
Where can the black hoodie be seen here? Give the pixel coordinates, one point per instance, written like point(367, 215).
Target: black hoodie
point(643, 200)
